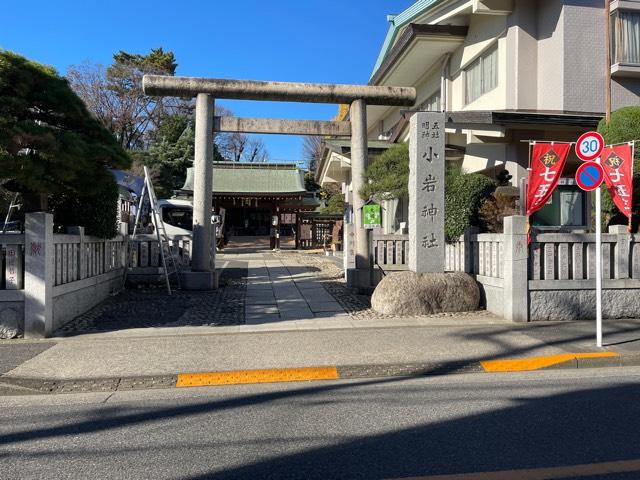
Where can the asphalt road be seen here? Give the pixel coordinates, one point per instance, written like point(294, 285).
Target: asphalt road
point(574, 424)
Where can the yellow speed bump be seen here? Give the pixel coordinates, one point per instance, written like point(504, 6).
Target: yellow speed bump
point(537, 363)
point(239, 377)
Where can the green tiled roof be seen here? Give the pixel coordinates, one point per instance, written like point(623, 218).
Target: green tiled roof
point(396, 24)
point(308, 201)
point(259, 178)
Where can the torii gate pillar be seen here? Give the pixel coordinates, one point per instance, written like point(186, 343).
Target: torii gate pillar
point(203, 274)
point(361, 277)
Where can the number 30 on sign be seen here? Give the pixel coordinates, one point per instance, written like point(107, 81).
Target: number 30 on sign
point(589, 146)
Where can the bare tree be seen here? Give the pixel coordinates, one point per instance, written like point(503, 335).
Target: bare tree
point(114, 94)
point(312, 147)
point(256, 151)
point(239, 147)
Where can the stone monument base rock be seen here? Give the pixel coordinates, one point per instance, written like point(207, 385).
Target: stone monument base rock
point(409, 293)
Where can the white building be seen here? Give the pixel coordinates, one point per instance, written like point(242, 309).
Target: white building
point(504, 71)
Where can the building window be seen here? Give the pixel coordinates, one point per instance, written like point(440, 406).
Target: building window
point(431, 104)
point(568, 208)
point(481, 76)
point(625, 44)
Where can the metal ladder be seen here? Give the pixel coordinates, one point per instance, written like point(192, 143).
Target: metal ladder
point(12, 206)
point(170, 265)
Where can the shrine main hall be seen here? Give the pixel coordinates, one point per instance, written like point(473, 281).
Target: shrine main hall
point(265, 200)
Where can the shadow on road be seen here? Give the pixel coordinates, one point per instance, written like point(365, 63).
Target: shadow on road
point(575, 336)
point(569, 428)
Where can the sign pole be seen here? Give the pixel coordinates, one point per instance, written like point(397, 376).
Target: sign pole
point(607, 67)
point(598, 269)
point(589, 177)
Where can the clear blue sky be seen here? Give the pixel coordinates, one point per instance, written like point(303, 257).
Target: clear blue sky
point(333, 41)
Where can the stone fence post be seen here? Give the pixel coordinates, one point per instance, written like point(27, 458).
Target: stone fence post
point(467, 246)
point(516, 278)
point(82, 260)
point(39, 272)
point(622, 250)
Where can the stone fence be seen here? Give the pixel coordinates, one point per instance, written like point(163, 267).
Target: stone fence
point(390, 252)
point(551, 278)
point(146, 264)
point(561, 275)
point(479, 254)
point(11, 284)
point(48, 279)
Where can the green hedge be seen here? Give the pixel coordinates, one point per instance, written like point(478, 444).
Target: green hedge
point(624, 127)
point(97, 212)
point(463, 196)
point(387, 177)
point(335, 205)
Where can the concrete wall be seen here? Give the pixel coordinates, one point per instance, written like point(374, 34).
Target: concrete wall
point(625, 92)
point(550, 34)
point(64, 276)
point(481, 156)
point(584, 57)
point(73, 299)
point(550, 280)
point(560, 305)
point(484, 31)
point(430, 85)
point(426, 87)
point(11, 313)
point(550, 58)
point(522, 57)
point(562, 275)
point(492, 297)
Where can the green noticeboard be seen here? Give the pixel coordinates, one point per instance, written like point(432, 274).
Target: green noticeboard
point(372, 216)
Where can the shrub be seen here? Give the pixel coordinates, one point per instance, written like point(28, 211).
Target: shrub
point(97, 212)
point(335, 205)
point(463, 196)
point(52, 147)
point(494, 208)
point(623, 127)
point(387, 177)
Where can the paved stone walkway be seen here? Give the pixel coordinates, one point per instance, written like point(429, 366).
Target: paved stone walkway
point(279, 290)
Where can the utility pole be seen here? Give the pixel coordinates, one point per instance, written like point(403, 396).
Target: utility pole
point(607, 74)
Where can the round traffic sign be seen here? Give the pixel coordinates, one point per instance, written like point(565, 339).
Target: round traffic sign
point(589, 146)
point(589, 176)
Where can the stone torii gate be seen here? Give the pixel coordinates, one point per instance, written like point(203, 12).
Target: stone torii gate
point(206, 90)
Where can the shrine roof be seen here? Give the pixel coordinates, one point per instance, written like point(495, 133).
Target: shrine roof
point(253, 178)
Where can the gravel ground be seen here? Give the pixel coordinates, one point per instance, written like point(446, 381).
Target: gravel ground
point(356, 305)
point(152, 307)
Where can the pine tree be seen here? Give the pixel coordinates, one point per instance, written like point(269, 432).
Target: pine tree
point(49, 142)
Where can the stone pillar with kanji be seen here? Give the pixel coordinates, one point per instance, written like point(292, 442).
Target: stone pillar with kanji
point(426, 192)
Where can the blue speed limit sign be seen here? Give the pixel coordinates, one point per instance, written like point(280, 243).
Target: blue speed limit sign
point(589, 146)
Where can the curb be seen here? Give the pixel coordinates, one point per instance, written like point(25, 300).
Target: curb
point(564, 361)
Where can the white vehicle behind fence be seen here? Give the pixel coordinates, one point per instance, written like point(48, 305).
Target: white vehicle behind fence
point(177, 216)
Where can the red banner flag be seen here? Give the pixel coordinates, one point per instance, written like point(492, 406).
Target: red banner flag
point(547, 162)
point(617, 162)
